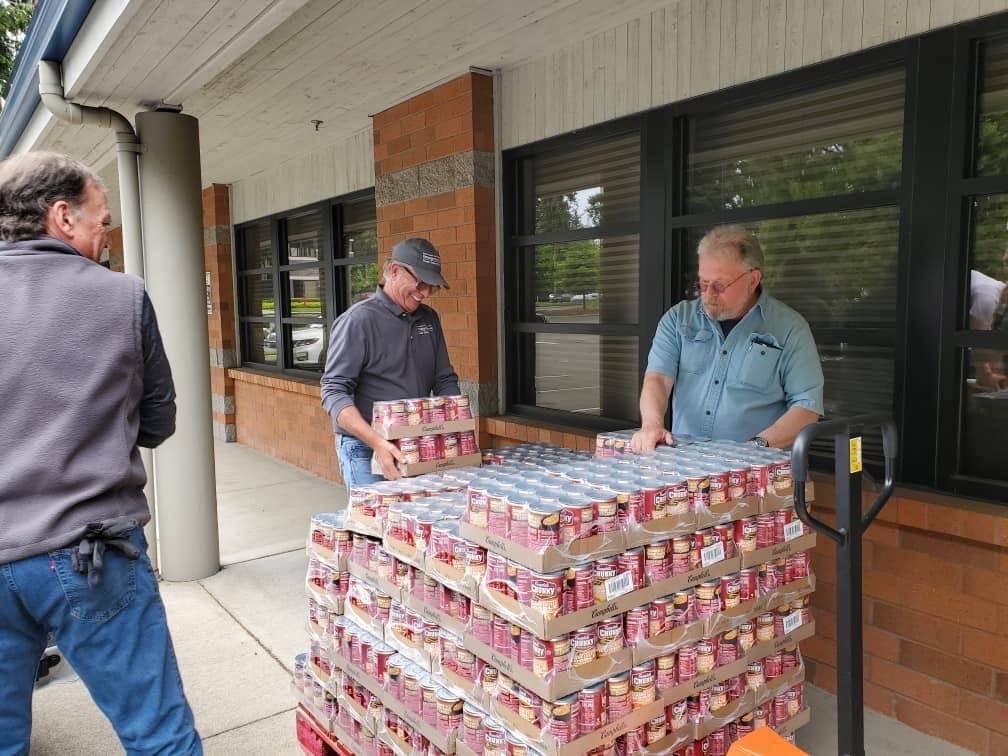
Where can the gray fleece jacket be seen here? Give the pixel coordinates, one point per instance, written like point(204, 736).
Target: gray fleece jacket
point(83, 380)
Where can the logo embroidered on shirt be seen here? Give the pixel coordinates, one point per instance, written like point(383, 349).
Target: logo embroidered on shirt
point(424, 329)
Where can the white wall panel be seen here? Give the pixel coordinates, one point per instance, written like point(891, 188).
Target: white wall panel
point(691, 47)
point(345, 167)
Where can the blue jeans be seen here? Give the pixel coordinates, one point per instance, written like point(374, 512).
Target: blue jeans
point(355, 461)
point(116, 637)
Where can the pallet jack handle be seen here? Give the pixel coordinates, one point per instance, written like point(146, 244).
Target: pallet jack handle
point(851, 525)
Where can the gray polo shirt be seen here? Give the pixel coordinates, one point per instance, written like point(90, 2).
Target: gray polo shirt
point(378, 352)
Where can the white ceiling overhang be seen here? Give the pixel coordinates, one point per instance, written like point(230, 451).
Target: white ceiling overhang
point(257, 73)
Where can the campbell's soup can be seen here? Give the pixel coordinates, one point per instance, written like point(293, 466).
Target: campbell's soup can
point(551, 656)
point(642, 685)
point(685, 666)
point(584, 648)
point(765, 530)
point(529, 705)
point(746, 533)
point(410, 448)
point(498, 514)
point(665, 671)
point(718, 487)
point(547, 592)
point(520, 578)
point(618, 696)
point(759, 479)
point(698, 484)
point(494, 738)
point(610, 635)
point(727, 535)
point(467, 442)
point(708, 599)
point(716, 744)
point(576, 518)
point(476, 505)
point(789, 658)
point(677, 496)
point(472, 728)
point(731, 591)
point(653, 501)
point(414, 411)
point(728, 648)
point(592, 704)
point(780, 473)
point(797, 566)
point(656, 562)
point(660, 616)
point(748, 584)
point(681, 561)
point(706, 655)
point(581, 577)
point(760, 716)
point(778, 709)
point(738, 480)
point(450, 444)
point(718, 696)
point(606, 511)
point(675, 715)
point(769, 578)
point(563, 719)
point(683, 607)
point(543, 525)
point(657, 728)
point(765, 627)
point(636, 625)
point(773, 666)
point(633, 511)
point(633, 561)
point(755, 678)
point(604, 569)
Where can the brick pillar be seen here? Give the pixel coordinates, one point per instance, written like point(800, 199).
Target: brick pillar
point(221, 321)
point(114, 242)
point(434, 178)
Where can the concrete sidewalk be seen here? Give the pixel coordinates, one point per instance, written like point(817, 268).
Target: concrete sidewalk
point(236, 633)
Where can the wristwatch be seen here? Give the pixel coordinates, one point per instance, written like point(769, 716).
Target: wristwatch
point(759, 442)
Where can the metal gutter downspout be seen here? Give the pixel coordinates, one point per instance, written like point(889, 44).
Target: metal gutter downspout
point(127, 150)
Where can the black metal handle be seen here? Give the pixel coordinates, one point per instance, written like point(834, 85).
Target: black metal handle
point(799, 472)
point(890, 444)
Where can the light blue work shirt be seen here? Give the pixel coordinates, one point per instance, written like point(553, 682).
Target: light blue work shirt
point(736, 387)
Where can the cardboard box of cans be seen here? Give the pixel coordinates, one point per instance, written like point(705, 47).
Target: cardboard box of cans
point(433, 433)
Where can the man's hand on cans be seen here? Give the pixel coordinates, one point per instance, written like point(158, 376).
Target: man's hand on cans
point(647, 438)
point(388, 454)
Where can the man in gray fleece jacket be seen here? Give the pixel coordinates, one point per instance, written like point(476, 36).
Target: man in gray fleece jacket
point(84, 382)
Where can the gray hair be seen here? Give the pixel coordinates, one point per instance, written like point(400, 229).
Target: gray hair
point(737, 238)
point(32, 183)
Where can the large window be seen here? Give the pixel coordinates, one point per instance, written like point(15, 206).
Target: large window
point(979, 364)
point(878, 185)
point(296, 272)
point(575, 335)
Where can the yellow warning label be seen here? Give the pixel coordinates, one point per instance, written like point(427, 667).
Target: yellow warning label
point(855, 454)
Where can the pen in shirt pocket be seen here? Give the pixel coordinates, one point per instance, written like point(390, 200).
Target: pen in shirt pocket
point(766, 341)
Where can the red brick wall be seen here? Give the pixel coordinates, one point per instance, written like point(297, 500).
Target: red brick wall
point(453, 119)
point(935, 606)
point(221, 322)
point(284, 418)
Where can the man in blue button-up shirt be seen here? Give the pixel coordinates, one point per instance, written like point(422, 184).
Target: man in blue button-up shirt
point(738, 363)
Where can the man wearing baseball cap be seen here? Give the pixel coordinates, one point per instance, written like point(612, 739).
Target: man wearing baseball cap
point(390, 346)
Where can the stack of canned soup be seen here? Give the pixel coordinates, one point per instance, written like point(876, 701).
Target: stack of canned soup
point(582, 713)
point(585, 498)
point(427, 411)
point(326, 586)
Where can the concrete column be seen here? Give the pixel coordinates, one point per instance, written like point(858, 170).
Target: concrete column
point(170, 188)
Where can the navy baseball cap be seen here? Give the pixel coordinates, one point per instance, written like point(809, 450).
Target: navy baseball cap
point(423, 258)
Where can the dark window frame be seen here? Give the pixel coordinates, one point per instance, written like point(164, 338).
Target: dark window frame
point(932, 238)
point(331, 261)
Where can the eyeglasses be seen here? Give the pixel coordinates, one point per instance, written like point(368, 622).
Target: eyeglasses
point(421, 285)
point(716, 286)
